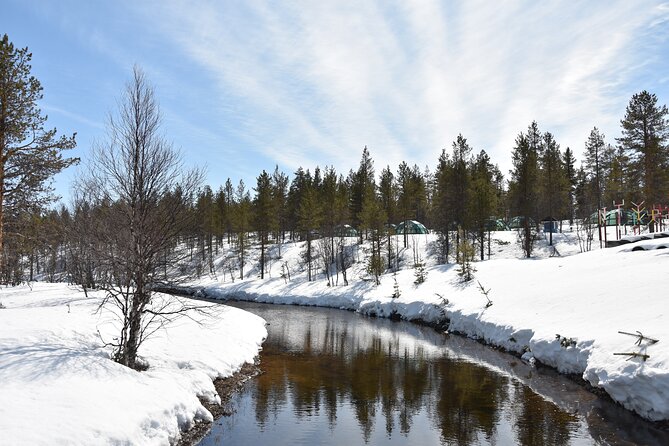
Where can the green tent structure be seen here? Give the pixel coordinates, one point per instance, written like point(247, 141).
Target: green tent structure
point(411, 227)
point(519, 222)
point(345, 231)
point(496, 224)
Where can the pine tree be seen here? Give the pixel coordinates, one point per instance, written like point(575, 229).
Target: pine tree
point(265, 215)
point(482, 197)
point(298, 187)
point(420, 273)
point(29, 155)
point(428, 180)
point(396, 287)
point(207, 225)
point(280, 197)
point(594, 148)
point(412, 194)
point(341, 207)
point(645, 131)
point(419, 193)
point(388, 194)
point(229, 192)
point(615, 186)
point(241, 222)
point(465, 258)
point(460, 182)
point(220, 212)
point(362, 184)
point(460, 188)
point(341, 202)
point(569, 162)
point(585, 194)
point(372, 219)
point(441, 215)
point(523, 188)
point(317, 183)
point(553, 181)
point(309, 219)
point(404, 206)
point(330, 221)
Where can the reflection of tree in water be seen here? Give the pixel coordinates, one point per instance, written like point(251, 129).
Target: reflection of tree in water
point(469, 401)
point(270, 398)
point(379, 376)
point(319, 377)
point(540, 422)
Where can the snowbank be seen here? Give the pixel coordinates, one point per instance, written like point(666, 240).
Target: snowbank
point(562, 311)
point(58, 385)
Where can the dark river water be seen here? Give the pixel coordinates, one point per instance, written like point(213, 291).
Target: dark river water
point(333, 377)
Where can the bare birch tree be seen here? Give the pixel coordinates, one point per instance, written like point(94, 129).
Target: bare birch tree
point(137, 182)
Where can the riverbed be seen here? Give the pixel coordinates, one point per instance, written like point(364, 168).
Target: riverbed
point(335, 377)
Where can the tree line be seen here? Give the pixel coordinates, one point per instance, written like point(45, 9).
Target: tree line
point(465, 191)
point(463, 194)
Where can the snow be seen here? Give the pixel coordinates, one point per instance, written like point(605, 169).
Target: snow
point(563, 311)
point(58, 385)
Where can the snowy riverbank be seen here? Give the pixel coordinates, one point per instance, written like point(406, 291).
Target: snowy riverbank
point(58, 385)
point(562, 311)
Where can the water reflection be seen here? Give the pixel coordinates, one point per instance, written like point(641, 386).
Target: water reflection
point(332, 377)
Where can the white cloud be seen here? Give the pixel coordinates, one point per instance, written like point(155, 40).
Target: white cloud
point(316, 81)
point(74, 116)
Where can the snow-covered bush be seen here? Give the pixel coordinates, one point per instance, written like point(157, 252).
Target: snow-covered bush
point(585, 234)
point(565, 342)
point(420, 274)
point(466, 253)
point(375, 267)
point(485, 293)
point(285, 272)
point(396, 288)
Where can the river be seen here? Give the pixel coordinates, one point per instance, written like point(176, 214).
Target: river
point(333, 377)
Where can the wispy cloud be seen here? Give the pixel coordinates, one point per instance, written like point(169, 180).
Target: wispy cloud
point(306, 83)
point(74, 116)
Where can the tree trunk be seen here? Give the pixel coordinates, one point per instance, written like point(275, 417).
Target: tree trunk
point(129, 355)
point(241, 256)
point(528, 238)
point(262, 255)
point(457, 246)
point(309, 256)
point(2, 214)
point(406, 235)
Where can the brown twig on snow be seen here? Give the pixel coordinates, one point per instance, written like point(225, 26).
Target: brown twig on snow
point(634, 355)
point(641, 337)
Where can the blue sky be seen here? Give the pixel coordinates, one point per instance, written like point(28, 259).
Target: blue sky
point(245, 85)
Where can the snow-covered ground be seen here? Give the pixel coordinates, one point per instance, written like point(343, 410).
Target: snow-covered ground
point(564, 311)
point(58, 385)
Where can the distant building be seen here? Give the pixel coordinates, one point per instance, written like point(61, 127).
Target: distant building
point(411, 227)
